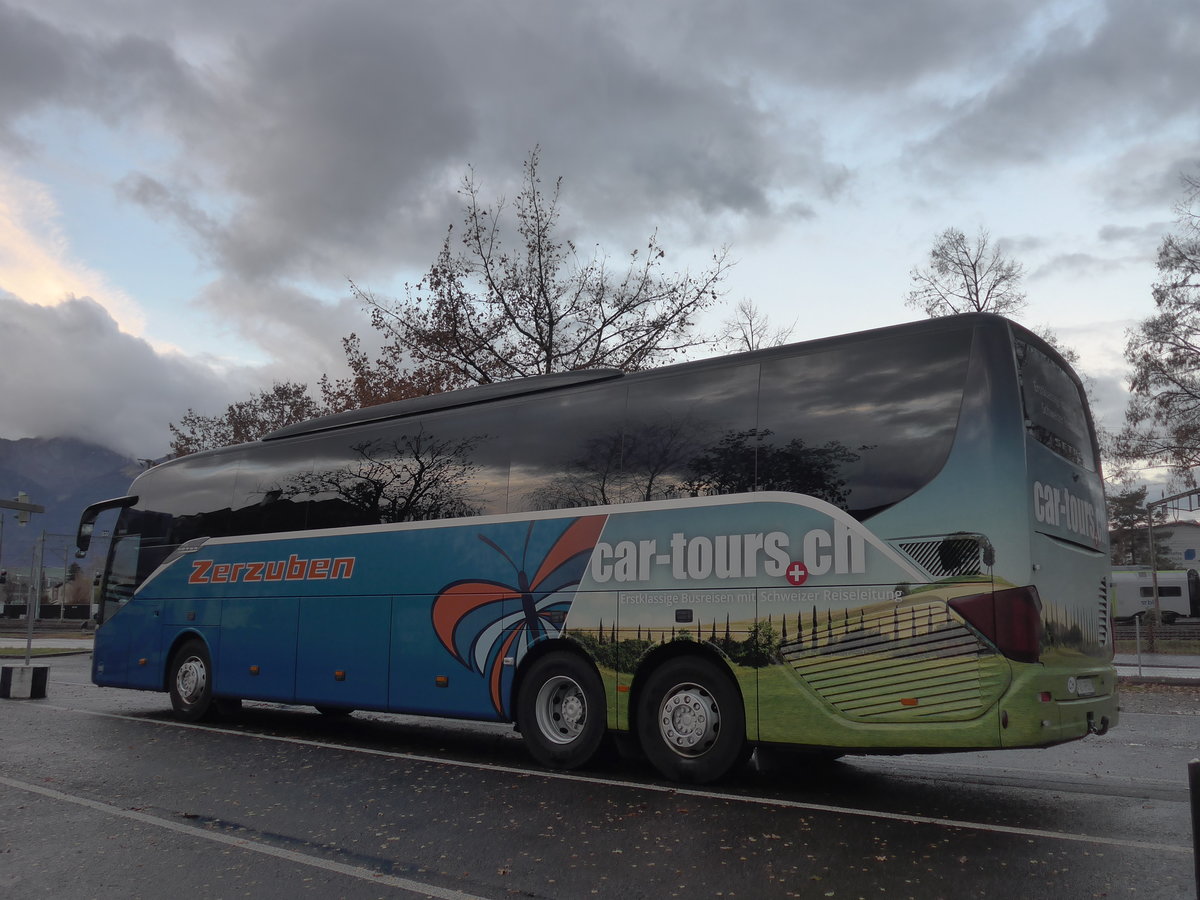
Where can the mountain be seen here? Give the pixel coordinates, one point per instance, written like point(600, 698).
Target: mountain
point(64, 475)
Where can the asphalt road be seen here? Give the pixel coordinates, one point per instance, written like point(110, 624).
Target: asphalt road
point(102, 794)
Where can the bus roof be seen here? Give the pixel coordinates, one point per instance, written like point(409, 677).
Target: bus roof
point(536, 384)
point(470, 396)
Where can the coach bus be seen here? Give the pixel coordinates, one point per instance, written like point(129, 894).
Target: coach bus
point(883, 542)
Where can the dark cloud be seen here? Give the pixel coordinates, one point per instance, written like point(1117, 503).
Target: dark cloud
point(301, 333)
point(852, 46)
point(1132, 71)
point(113, 77)
point(1149, 174)
point(298, 143)
point(337, 136)
point(70, 372)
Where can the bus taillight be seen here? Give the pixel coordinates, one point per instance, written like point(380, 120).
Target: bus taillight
point(1011, 619)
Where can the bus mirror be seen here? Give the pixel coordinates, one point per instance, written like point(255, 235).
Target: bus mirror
point(83, 539)
point(87, 521)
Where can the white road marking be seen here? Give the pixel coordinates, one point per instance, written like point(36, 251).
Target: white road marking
point(415, 887)
point(659, 788)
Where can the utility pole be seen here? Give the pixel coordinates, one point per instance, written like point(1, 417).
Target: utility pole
point(27, 681)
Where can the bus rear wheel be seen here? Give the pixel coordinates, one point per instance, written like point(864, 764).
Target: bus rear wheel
point(561, 711)
point(190, 680)
point(691, 721)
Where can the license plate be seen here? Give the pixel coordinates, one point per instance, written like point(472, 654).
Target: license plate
point(1085, 687)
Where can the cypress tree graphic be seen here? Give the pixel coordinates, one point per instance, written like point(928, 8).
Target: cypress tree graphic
point(713, 637)
point(783, 632)
point(614, 633)
point(728, 637)
point(600, 637)
point(639, 631)
point(800, 629)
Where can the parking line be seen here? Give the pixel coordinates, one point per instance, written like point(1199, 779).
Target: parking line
point(660, 788)
point(406, 884)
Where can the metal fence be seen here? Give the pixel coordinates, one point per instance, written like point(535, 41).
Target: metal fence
point(1180, 639)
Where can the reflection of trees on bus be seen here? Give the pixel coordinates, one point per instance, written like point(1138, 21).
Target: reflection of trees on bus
point(748, 461)
point(662, 460)
point(407, 478)
point(644, 463)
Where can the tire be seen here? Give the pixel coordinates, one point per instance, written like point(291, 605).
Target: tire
point(561, 711)
point(691, 722)
point(190, 682)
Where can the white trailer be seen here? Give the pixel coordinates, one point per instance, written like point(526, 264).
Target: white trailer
point(1132, 593)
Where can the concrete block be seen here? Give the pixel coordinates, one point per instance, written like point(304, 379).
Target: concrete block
point(23, 682)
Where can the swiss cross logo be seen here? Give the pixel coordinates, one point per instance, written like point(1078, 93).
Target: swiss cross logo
point(797, 573)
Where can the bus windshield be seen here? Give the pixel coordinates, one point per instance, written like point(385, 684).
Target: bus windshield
point(1054, 407)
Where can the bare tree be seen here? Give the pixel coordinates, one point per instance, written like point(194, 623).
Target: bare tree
point(386, 378)
point(750, 329)
point(1163, 416)
point(484, 313)
point(967, 276)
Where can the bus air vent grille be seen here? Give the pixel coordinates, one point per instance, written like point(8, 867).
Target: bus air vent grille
point(908, 663)
point(1104, 636)
point(947, 556)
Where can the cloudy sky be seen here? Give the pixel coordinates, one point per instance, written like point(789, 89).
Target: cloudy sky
point(185, 188)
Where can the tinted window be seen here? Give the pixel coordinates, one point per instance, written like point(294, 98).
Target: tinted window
point(262, 501)
point(692, 434)
point(862, 425)
point(404, 470)
point(1054, 410)
point(178, 502)
point(566, 449)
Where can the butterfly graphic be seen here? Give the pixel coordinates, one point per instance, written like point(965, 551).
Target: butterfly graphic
point(479, 622)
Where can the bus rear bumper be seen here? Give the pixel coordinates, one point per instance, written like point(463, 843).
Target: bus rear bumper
point(1044, 709)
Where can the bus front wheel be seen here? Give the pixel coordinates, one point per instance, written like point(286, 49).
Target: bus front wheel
point(691, 722)
point(561, 711)
point(190, 681)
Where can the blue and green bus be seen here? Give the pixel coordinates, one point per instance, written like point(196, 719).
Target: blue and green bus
point(884, 542)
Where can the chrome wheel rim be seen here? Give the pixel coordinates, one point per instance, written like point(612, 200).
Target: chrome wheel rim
point(561, 710)
point(689, 720)
point(191, 679)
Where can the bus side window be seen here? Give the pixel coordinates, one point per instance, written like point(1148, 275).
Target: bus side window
point(694, 435)
point(865, 425)
point(566, 449)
